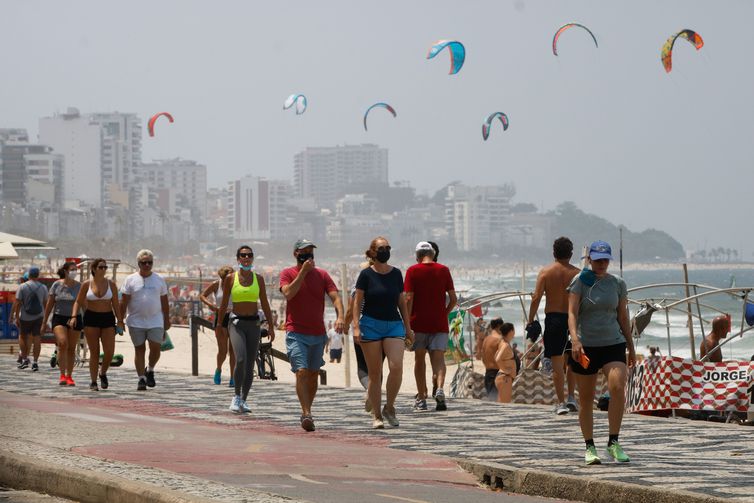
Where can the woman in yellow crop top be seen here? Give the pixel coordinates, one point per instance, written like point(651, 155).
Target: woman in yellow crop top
point(246, 290)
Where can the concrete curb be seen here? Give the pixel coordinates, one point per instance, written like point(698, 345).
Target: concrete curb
point(574, 487)
point(22, 472)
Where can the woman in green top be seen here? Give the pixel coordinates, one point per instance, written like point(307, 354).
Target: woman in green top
point(246, 290)
point(599, 328)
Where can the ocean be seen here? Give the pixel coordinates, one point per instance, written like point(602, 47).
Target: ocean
point(472, 284)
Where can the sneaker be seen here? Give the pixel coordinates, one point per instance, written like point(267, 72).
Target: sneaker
point(440, 399)
point(93, 386)
point(142, 386)
point(572, 404)
point(561, 409)
point(546, 367)
point(63, 381)
point(616, 452)
point(150, 378)
point(378, 424)
point(231, 384)
point(307, 422)
point(590, 456)
point(218, 377)
point(390, 417)
point(245, 407)
point(235, 404)
point(103, 381)
point(420, 405)
point(34, 367)
point(69, 381)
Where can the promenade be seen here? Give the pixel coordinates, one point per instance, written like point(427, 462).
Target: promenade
point(180, 437)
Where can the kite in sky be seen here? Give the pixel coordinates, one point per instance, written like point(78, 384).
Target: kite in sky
point(378, 105)
point(666, 55)
point(296, 99)
point(457, 53)
point(487, 124)
point(150, 125)
point(564, 28)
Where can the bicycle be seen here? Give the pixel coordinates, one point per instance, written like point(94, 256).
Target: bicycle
point(265, 359)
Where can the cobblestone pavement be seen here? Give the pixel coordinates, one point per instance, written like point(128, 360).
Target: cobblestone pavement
point(713, 459)
point(11, 496)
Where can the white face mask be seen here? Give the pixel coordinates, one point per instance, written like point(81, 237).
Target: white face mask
point(72, 274)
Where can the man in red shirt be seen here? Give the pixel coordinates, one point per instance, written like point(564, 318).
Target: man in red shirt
point(426, 285)
point(304, 287)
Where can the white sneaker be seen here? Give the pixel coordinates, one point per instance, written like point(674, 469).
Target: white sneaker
point(572, 404)
point(561, 409)
point(378, 423)
point(235, 404)
point(245, 407)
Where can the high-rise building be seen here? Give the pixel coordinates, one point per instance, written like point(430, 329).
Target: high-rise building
point(121, 153)
point(185, 180)
point(476, 217)
point(44, 172)
point(79, 140)
point(257, 208)
point(28, 171)
point(324, 174)
point(12, 173)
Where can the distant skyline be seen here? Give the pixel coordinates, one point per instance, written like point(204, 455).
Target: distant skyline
point(606, 128)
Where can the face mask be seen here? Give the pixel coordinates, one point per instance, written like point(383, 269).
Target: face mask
point(303, 257)
point(72, 274)
point(383, 256)
point(246, 267)
point(588, 277)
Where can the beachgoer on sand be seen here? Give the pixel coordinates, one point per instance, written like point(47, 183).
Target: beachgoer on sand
point(224, 348)
point(103, 318)
point(600, 331)
point(63, 294)
point(246, 290)
point(145, 299)
point(383, 327)
point(552, 282)
point(489, 350)
point(506, 364)
point(305, 287)
point(430, 297)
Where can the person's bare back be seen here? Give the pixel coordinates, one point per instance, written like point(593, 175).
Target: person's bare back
point(555, 278)
point(489, 348)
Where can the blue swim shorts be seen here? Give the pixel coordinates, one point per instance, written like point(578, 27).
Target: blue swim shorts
point(305, 351)
point(373, 329)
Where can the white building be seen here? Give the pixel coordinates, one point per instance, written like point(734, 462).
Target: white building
point(258, 208)
point(44, 172)
point(476, 217)
point(121, 153)
point(79, 140)
point(326, 173)
point(180, 180)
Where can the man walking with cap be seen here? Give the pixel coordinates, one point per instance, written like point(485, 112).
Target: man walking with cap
point(304, 287)
point(28, 312)
point(426, 285)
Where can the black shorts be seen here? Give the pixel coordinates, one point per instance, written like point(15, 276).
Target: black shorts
point(556, 334)
point(599, 356)
point(489, 380)
point(99, 320)
point(60, 319)
point(30, 327)
point(225, 322)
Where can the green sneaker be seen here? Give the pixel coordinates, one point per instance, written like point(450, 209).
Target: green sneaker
point(616, 451)
point(591, 457)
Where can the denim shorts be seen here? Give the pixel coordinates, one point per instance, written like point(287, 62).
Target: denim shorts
point(305, 351)
point(373, 330)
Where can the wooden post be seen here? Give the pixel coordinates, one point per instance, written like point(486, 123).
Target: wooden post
point(344, 297)
point(688, 312)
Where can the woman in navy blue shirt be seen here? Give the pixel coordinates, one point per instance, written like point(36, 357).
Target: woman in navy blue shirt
point(382, 327)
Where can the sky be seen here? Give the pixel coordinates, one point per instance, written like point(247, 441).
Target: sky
point(604, 127)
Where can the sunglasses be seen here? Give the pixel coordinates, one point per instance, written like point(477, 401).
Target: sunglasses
point(146, 262)
point(102, 267)
point(384, 248)
point(245, 255)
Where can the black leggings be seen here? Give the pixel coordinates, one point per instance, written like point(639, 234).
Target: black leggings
point(244, 336)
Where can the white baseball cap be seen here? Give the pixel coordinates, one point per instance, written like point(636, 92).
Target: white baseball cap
point(423, 245)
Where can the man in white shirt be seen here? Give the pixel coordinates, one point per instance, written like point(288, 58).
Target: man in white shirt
point(145, 299)
point(334, 344)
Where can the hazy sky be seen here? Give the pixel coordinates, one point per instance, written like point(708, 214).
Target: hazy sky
point(606, 128)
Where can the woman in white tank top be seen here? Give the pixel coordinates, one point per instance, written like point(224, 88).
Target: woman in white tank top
point(221, 326)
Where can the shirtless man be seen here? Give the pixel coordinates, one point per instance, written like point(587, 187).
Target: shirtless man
point(489, 348)
point(552, 282)
point(720, 329)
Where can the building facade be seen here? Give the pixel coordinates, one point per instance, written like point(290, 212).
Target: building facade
point(121, 153)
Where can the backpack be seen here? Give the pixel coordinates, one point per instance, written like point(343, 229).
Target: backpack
point(32, 305)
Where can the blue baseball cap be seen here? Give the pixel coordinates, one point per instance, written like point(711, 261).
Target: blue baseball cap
point(33, 272)
point(600, 250)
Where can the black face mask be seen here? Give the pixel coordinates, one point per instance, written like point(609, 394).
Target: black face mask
point(383, 256)
point(303, 257)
